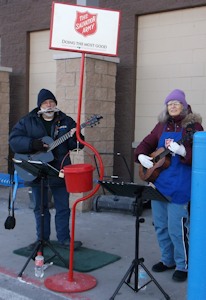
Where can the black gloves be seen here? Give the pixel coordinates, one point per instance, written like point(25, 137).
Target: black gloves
point(37, 145)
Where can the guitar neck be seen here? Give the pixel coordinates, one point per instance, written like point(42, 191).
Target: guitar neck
point(62, 139)
point(165, 152)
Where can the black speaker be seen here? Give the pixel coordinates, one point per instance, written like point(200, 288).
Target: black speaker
point(114, 203)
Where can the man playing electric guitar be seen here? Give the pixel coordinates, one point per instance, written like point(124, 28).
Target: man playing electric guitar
point(26, 138)
point(174, 181)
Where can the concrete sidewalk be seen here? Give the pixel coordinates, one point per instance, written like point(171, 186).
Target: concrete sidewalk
point(107, 231)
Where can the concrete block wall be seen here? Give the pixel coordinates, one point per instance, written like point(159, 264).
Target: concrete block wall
point(4, 118)
point(98, 97)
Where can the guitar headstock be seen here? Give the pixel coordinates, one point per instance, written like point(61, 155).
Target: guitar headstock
point(95, 119)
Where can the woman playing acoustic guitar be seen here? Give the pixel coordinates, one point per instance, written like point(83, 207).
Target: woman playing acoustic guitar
point(165, 156)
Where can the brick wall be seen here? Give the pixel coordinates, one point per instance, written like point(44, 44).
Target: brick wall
point(4, 118)
point(98, 97)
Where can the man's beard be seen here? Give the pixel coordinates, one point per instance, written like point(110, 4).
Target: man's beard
point(48, 115)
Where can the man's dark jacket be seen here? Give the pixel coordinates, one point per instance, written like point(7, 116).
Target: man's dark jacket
point(31, 127)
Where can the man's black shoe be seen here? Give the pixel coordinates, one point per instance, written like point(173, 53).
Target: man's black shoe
point(66, 244)
point(179, 276)
point(160, 267)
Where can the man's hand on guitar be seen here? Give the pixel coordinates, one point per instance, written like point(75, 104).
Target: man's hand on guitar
point(177, 149)
point(38, 145)
point(146, 161)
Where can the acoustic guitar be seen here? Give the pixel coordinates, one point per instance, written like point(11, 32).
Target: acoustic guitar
point(161, 160)
point(47, 156)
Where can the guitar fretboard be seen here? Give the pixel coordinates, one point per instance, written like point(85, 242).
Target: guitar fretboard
point(59, 141)
point(62, 139)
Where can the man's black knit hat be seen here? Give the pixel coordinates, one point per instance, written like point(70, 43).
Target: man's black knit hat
point(45, 95)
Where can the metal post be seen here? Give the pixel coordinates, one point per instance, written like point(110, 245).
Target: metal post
point(197, 259)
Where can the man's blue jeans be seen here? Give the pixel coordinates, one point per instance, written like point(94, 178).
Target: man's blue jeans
point(61, 204)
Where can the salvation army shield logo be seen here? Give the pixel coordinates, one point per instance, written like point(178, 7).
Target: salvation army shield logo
point(86, 23)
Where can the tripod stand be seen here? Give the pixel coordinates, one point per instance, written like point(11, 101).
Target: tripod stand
point(140, 191)
point(41, 171)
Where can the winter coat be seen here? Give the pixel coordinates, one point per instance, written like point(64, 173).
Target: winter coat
point(150, 142)
point(31, 127)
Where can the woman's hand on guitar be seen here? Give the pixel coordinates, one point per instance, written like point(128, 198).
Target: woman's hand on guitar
point(146, 161)
point(177, 149)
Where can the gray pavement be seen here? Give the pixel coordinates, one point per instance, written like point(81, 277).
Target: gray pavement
point(112, 232)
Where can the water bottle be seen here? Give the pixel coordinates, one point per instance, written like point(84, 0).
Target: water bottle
point(39, 265)
point(142, 278)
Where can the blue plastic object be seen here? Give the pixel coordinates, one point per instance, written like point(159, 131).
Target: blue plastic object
point(197, 257)
point(12, 180)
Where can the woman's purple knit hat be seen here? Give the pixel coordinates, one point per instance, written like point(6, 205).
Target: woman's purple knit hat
point(177, 95)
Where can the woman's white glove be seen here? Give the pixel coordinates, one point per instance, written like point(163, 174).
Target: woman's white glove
point(145, 161)
point(177, 149)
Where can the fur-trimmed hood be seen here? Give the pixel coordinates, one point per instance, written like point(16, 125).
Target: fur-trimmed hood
point(191, 118)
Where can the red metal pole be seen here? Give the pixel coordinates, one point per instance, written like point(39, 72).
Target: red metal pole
point(71, 258)
point(76, 282)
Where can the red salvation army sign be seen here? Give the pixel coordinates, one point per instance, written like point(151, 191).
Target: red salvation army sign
point(86, 23)
point(84, 29)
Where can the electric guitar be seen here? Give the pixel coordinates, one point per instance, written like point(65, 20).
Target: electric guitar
point(161, 159)
point(47, 156)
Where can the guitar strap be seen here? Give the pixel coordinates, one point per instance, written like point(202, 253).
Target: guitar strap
point(190, 130)
point(56, 131)
point(47, 125)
